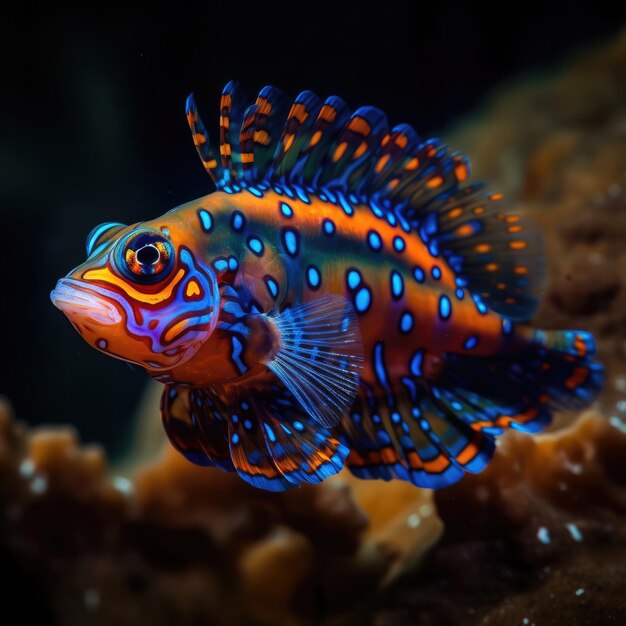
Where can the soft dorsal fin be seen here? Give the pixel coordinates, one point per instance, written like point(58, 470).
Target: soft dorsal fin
point(423, 184)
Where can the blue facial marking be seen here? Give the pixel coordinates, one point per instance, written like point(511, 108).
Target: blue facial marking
point(418, 274)
point(436, 272)
point(329, 227)
point(206, 220)
point(398, 244)
point(362, 300)
point(286, 210)
point(406, 322)
point(238, 221)
point(313, 277)
point(256, 245)
point(272, 287)
point(416, 363)
point(470, 343)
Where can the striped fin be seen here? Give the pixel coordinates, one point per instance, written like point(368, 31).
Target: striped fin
point(296, 134)
point(195, 427)
point(303, 451)
point(423, 184)
point(200, 137)
point(412, 440)
point(351, 152)
point(232, 108)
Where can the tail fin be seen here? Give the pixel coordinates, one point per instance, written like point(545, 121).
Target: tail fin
point(556, 371)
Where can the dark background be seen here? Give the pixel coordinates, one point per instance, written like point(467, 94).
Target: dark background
point(92, 129)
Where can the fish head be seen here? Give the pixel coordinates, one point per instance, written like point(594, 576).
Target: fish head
point(141, 295)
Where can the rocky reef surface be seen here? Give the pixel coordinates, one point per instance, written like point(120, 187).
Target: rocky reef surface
point(538, 538)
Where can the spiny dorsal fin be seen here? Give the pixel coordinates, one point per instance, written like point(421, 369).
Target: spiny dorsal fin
point(422, 184)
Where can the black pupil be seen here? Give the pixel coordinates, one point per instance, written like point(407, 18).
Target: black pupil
point(148, 255)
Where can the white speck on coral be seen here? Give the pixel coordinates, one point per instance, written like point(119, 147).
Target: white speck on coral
point(543, 535)
point(579, 592)
point(615, 190)
point(525, 621)
point(616, 422)
point(574, 532)
point(39, 485)
point(91, 600)
point(123, 485)
point(414, 520)
point(426, 510)
point(27, 468)
point(621, 406)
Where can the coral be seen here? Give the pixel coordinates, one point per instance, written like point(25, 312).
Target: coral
point(539, 537)
point(181, 544)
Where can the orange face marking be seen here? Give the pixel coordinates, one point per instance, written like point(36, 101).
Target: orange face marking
point(192, 289)
point(482, 248)
point(496, 196)
point(402, 141)
point(492, 267)
point(514, 229)
point(478, 210)
point(393, 183)
point(288, 141)
point(106, 276)
point(521, 270)
point(454, 213)
point(262, 137)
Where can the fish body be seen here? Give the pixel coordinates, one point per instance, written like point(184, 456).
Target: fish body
point(345, 297)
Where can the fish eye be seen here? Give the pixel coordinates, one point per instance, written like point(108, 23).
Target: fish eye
point(146, 256)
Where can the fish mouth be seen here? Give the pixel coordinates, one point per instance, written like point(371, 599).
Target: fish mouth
point(71, 297)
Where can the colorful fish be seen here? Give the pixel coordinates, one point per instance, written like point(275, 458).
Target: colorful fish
point(345, 297)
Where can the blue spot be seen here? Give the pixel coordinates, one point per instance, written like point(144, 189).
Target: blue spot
point(391, 218)
point(470, 343)
point(379, 365)
point(445, 308)
point(256, 245)
point(345, 205)
point(457, 406)
point(356, 418)
point(237, 221)
point(289, 193)
point(376, 418)
point(406, 322)
point(374, 241)
point(302, 195)
point(255, 192)
point(272, 286)
point(507, 327)
point(247, 424)
point(313, 277)
point(396, 417)
point(233, 264)
point(418, 274)
point(221, 265)
point(354, 279)
point(270, 433)
point(416, 363)
point(286, 210)
point(376, 210)
point(482, 309)
point(436, 272)
point(206, 220)
point(290, 241)
point(424, 425)
point(362, 300)
point(397, 284)
point(237, 347)
point(245, 406)
point(398, 244)
point(329, 227)
point(235, 438)
point(460, 294)
point(416, 412)
point(278, 190)
point(323, 197)
point(298, 426)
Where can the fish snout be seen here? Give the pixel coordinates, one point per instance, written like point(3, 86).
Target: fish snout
point(79, 302)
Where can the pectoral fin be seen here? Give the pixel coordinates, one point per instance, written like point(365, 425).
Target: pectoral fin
point(320, 356)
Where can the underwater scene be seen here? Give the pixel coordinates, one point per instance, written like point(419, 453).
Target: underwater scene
point(318, 320)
